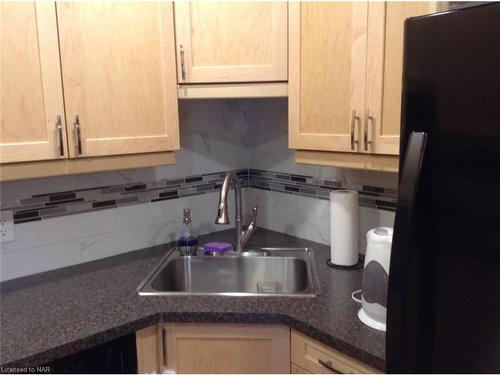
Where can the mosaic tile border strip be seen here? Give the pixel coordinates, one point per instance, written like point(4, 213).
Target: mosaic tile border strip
point(314, 187)
point(49, 205)
point(42, 206)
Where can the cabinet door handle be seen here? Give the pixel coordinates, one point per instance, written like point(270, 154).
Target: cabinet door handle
point(328, 365)
point(78, 135)
point(183, 68)
point(354, 119)
point(368, 118)
point(60, 135)
point(164, 347)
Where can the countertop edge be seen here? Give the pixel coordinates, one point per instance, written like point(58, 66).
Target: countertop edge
point(196, 317)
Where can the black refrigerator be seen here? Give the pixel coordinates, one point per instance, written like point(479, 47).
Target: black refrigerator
point(444, 286)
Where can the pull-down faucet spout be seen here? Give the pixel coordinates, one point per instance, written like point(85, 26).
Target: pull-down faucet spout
point(242, 236)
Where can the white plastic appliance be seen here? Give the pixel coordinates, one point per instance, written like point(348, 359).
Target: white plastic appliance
point(376, 278)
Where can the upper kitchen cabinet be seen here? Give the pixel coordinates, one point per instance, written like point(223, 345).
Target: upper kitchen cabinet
point(86, 87)
point(118, 69)
point(345, 81)
point(231, 48)
point(384, 74)
point(327, 65)
point(32, 112)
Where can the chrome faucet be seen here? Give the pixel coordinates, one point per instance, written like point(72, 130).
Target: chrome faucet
point(242, 236)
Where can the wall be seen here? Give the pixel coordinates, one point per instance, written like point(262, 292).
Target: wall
point(209, 143)
point(216, 136)
point(300, 215)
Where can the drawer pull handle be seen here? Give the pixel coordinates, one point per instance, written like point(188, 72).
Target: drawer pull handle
point(328, 365)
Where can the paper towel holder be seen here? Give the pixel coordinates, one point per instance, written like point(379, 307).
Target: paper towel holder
point(356, 266)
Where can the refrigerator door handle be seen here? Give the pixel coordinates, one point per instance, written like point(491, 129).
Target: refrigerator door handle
point(398, 356)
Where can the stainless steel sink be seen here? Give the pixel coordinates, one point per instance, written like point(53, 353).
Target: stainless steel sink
point(260, 272)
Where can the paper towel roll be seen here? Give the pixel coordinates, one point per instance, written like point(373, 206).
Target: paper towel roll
point(344, 226)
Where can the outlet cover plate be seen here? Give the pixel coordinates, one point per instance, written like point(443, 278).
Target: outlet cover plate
point(6, 226)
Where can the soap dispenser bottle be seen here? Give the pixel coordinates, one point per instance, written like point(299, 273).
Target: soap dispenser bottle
point(187, 242)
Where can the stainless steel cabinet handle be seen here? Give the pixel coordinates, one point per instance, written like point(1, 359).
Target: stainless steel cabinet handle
point(78, 135)
point(328, 365)
point(164, 347)
point(354, 119)
point(368, 118)
point(60, 135)
point(183, 69)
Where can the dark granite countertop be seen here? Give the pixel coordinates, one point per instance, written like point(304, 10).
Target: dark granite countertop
point(57, 313)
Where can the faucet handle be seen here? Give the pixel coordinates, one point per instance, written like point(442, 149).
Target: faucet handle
point(254, 215)
point(246, 234)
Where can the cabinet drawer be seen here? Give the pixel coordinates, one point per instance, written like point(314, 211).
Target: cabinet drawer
point(308, 355)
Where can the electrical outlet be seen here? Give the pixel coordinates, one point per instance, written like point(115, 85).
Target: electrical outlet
point(6, 226)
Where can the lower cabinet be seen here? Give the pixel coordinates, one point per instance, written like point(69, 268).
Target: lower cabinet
point(310, 356)
point(214, 348)
point(238, 349)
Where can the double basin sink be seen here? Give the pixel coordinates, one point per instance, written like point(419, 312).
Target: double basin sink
point(261, 272)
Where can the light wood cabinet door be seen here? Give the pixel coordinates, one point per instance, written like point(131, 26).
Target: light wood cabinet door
point(30, 84)
point(221, 42)
point(226, 348)
point(382, 117)
point(148, 350)
point(118, 69)
point(327, 65)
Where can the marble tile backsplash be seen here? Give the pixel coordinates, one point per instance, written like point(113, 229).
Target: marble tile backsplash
point(49, 205)
point(306, 217)
point(67, 240)
point(216, 136)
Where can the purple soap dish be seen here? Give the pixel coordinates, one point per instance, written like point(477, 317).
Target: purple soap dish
point(217, 248)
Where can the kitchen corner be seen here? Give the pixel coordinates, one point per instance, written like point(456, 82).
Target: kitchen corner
point(249, 187)
point(57, 313)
